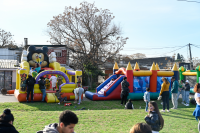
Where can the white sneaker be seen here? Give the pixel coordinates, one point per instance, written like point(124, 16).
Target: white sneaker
point(187, 105)
point(183, 103)
point(161, 103)
point(168, 111)
point(162, 110)
point(59, 103)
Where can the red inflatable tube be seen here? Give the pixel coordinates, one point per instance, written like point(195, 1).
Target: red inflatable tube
point(10, 91)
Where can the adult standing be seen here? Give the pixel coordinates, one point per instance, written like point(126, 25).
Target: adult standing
point(196, 112)
point(174, 92)
point(6, 122)
point(164, 92)
point(181, 90)
point(42, 83)
point(53, 80)
point(187, 93)
point(124, 91)
point(30, 85)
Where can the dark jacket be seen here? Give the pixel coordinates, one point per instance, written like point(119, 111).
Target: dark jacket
point(175, 87)
point(153, 121)
point(58, 94)
point(42, 84)
point(28, 79)
point(7, 128)
point(187, 87)
point(129, 105)
point(125, 90)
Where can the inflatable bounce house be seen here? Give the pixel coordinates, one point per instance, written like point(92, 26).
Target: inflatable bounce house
point(138, 80)
point(191, 73)
point(67, 79)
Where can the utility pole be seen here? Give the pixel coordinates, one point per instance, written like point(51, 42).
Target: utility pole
point(191, 65)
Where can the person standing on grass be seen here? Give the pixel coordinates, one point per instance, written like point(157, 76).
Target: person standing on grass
point(42, 86)
point(30, 82)
point(124, 91)
point(67, 122)
point(53, 80)
point(187, 93)
point(58, 95)
point(181, 90)
point(164, 92)
point(154, 118)
point(196, 112)
point(141, 128)
point(174, 92)
point(147, 98)
point(78, 93)
point(6, 122)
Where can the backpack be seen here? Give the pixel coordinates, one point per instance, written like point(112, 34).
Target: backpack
point(31, 82)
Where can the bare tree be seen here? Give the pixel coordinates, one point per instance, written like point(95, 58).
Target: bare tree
point(87, 33)
point(137, 56)
point(5, 38)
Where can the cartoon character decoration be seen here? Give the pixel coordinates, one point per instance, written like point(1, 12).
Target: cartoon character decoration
point(79, 79)
point(34, 74)
point(38, 57)
point(23, 81)
point(59, 81)
point(47, 84)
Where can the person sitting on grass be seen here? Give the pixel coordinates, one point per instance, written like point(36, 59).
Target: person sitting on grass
point(154, 118)
point(67, 122)
point(141, 128)
point(129, 105)
point(6, 122)
point(58, 95)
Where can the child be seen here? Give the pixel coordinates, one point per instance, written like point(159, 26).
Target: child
point(154, 118)
point(129, 105)
point(140, 128)
point(196, 112)
point(58, 95)
point(147, 98)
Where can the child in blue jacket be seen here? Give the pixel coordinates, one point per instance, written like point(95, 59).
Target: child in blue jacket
point(147, 98)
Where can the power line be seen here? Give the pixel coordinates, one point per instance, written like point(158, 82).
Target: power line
point(189, 1)
point(175, 50)
point(151, 48)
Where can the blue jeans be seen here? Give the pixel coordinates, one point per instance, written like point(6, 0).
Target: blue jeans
point(182, 92)
point(146, 106)
point(43, 94)
point(187, 99)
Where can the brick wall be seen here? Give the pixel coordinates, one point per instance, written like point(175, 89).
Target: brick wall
point(108, 72)
point(62, 59)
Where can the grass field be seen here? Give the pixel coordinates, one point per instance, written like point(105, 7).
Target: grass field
point(99, 116)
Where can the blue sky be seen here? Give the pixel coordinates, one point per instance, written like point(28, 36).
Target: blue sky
point(149, 24)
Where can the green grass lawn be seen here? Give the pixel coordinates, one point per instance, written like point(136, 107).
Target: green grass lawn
point(99, 116)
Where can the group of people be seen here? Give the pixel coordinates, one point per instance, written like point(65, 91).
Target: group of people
point(177, 89)
point(67, 122)
point(154, 118)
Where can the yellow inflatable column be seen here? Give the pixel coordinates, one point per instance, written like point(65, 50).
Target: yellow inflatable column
point(55, 66)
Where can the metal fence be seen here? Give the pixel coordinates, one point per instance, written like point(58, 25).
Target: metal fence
point(8, 63)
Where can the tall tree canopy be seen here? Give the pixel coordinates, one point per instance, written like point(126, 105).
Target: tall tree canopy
point(5, 38)
point(88, 33)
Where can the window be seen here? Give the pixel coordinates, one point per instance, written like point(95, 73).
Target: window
point(58, 53)
point(6, 80)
